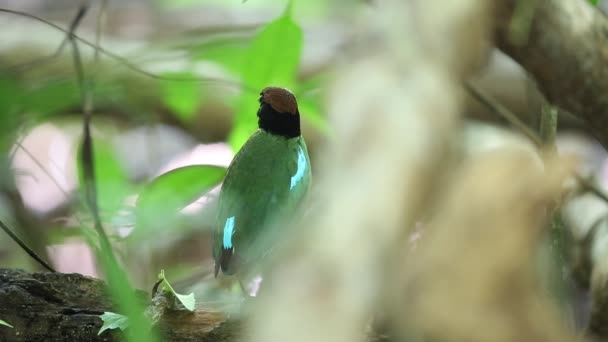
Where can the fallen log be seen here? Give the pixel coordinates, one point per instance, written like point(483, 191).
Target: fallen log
point(44, 306)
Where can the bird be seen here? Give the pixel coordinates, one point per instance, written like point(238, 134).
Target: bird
point(264, 185)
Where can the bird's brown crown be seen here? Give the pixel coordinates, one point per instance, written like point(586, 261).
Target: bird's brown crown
point(280, 99)
point(278, 113)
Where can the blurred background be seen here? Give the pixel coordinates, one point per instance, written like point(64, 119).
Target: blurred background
point(151, 116)
point(143, 126)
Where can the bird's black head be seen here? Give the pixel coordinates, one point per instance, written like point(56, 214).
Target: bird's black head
point(278, 113)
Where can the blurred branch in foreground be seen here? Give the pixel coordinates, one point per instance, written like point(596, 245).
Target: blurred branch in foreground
point(476, 264)
point(393, 139)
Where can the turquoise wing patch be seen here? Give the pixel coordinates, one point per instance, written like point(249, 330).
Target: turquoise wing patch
point(228, 232)
point(301, 168)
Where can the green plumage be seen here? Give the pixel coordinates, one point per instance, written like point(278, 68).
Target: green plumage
point(267, 179)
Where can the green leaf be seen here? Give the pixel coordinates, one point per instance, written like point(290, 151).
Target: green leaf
point(5, 324)
point(188, 301)
point(163, 197)
point(111, 179)
point(272, 59)
point(182, 97)
point(594, 2)
point(113, 320)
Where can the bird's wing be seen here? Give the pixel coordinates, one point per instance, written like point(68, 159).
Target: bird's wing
point(259, 186)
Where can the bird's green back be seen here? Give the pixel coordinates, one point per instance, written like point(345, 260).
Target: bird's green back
point(267, 180)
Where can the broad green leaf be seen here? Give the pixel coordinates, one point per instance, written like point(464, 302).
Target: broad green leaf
point(594, 2)
point(182, 97)
point(163, 197)
point(272, 59)
point(113, 320)
point(5, 324)
point(188, 301)
point(110, 177)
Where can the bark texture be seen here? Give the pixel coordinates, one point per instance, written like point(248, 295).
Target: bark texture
point(565, 51)
point(66, 307)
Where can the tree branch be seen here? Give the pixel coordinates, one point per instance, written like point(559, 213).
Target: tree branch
point(566, 52)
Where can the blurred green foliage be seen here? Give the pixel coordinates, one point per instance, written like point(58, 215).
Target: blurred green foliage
point(314, 9)
point(594, 2)
point(229, 52)
point(181, 97)
point(125, 297)
point(4, 323)
point(10, 94)
point(111, 178)
point(51, 97)
point(123, 294)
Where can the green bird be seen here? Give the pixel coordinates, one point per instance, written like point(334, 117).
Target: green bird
point(266, 181)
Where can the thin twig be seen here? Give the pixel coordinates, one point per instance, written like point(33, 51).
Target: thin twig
point(559, 237)
point(4, 227)
point(87, 154)
point(58, 51)
point(124, 61)
point(497, 108)
point(42, 168)
point(101, 20)
point(23, 246)
point(548, 126)
point(48, 174)
point(588, 186)
point(117, 278)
